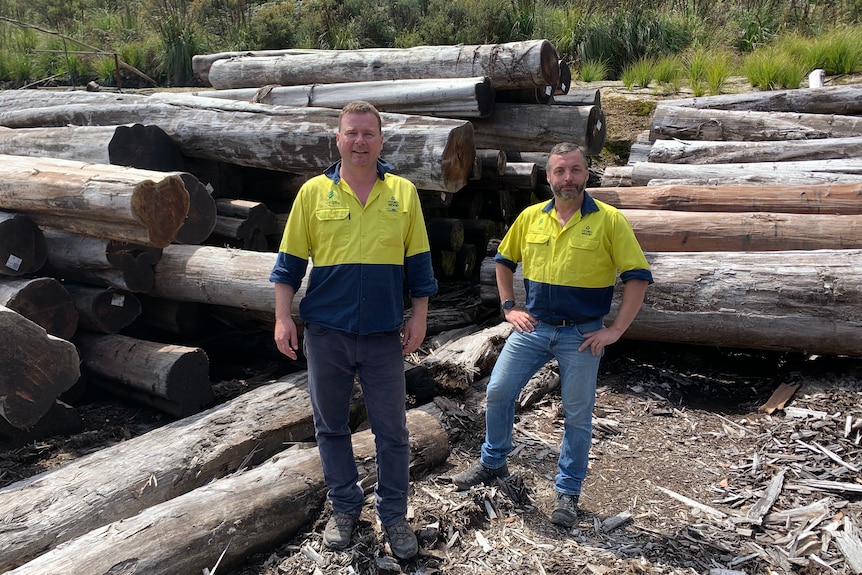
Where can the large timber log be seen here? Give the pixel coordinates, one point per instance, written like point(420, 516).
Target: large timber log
point(803, 301)
point(446, 97)
point(814, 171)
point(133, 203)
point(526, 64)
point(100, 261)
point(37, 368)
point(669, 122)
point(22, 245)
point(172, 378)
point(703, 152)
point(226, 520)
point(834, 199)
point(826, 100)
point(434, 153)
point(530, 128)
point(103, 310)
point(44, 301)
point(124, 479)
point(61, 419)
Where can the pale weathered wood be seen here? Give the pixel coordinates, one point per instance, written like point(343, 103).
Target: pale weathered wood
point(231, 517)
point(103, 310)
point(22, 245)
point(580, 97)
point(524, 64)
point(446, 97)
point(124, 479)
point(822, 171)
point(843, 199)
point(88, 143)
point(201, 63)
point(615, 176)
point(172, 378)
point(456, 364)
point(826, 100)
point(148, 203)
point(715, 125)
point(44, 301)
point(707, 152)
point(36, 367)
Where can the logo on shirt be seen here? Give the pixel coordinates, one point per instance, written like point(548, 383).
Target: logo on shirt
point(586, 231)
point(332, 199)
point(393, 205)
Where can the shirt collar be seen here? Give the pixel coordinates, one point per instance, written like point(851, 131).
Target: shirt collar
point(588, 206)
point(333, 172)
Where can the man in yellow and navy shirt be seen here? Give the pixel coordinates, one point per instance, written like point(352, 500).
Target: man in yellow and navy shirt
point(364, 232)
point(571, 249)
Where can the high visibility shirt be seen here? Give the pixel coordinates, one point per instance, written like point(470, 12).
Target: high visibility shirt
point(365, 258)
point(570, 271)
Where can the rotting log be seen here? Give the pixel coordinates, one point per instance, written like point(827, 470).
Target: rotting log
point(845, 99)
point(171, 378)
point(816, 171)
point(226, 520)
point(833, 199)
point(103, 309)
point(36, 367)
point(124, 479)
point(100, 261)
point(706, 152)
point(531, 128)
point(803, 301)
point(54, 192)
point(22, 245)
point(457, 364)
point(446, 97)
point(669, 122)
point(44, 301)
point(510, 65)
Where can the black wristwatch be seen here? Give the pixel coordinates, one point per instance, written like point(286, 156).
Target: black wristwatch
point(508, 304)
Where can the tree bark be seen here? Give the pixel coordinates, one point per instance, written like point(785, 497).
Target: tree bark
point(456, 364)
point(671, 122)
point(44, 301)
point(526, 64)
point(493, 162)
point(172, 378)
point(446, 97)
point(834, 199)
point(582, 97)
point(445, 234)
point(103, 310)
point(22, 245)
point(36, 367)
point(826, 100)
point(143, 202)
point(60, 420)
point(815, 171)
point(516, 176)
point(122, 480)
point(702, 152)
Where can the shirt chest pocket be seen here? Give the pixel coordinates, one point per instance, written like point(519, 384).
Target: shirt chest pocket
point(537, 246)
point(333, 224)
point(390, 232)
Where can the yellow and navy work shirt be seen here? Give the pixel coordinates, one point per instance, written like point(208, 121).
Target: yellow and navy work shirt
point(570, 272)
point(364, 257)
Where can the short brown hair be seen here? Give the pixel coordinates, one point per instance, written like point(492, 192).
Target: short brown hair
point(360, 107)
point(564, 148)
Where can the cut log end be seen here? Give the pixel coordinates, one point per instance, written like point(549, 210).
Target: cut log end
point(458, 158)
point(162, 208)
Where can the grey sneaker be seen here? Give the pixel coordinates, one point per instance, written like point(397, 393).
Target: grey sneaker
point(565, 510)
point(339, 530)
point(478, 473)
point(402, 540)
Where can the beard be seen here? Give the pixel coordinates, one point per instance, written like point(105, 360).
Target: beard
point(568, 193)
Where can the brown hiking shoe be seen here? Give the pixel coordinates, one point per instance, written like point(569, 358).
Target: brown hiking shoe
point(565, 510)
point(478, 473)
point(402, 540)
point(339, 530)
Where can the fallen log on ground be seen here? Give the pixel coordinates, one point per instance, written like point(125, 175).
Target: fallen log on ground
point(834, 199)
point(826, 100)
point(803, 301)
point(825, 171)
point(120, 481)
point(44, 301)
point(60, 419)
point(706, 152)
point(36, 367)
point(525, 64)
point(458, 363)
point(22, 245)
point(226, 520)
point(446, 97)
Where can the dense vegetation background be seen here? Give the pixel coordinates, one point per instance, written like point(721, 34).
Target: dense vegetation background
point(661, 43)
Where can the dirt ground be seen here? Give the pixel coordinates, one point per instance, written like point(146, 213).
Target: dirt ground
point(681, 454)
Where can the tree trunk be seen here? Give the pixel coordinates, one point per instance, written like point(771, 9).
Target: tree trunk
point(809, 301)
point(827, 100)
point(527, 64)
point(246, 222)
point(446, 97)
point(582, 97)
point(230, 518)
point(530, 128)
point(493, 162)
point(517, 176)
point(36, 369)
point(845, 199)
point(99, 261)
point(701, 152)
point(445, 234)
point(22, 245)
point(122, 480)
point(54, 192)
point(176, 377)
point(103, 310)
point(816, 171)
point(44, 301)
point(201, 63)
point(615, 176)
point(671, 122)
point(457, 364)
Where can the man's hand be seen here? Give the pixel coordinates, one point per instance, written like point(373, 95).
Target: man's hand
point(598, 340)
point(521, 319)
point(286, 338)
point(414, 334)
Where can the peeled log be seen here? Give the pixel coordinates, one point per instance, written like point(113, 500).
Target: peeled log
point(815, 171)
point(835, 199)
point(36, 369)
point(531, 63)
point(124, 479)
point(826, 100)
point(703, 152)
point(225, 521)
point(44, 301)
point(22, 245)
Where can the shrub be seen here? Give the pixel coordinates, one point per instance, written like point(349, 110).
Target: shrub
point(668, 72)
point(770, 69)
point(640, 73)
point(593, 71)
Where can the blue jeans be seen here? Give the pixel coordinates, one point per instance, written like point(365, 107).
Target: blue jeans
point(334, 358)
point(521, 358)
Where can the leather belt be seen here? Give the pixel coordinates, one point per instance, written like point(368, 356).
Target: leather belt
point(569, 322)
